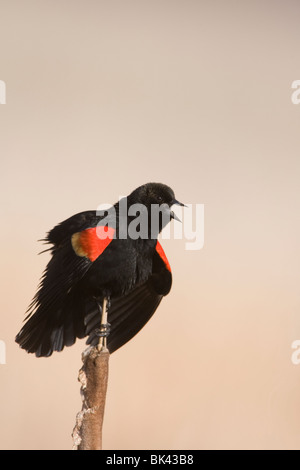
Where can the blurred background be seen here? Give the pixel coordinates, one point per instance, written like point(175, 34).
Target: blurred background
point(102, 96)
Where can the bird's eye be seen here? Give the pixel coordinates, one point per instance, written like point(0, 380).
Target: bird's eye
point(159, 198)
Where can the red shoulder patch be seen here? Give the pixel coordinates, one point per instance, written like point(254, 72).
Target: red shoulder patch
point(162, 254)
point(92, 241)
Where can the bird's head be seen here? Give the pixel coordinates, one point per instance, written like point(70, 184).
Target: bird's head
point(156, 196)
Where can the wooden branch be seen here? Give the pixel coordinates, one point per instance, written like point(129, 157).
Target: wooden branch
point(93, 376)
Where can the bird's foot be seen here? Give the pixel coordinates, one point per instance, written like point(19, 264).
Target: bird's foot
point(103, 331)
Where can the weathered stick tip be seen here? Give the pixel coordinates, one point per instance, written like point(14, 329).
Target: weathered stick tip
point(93, 376)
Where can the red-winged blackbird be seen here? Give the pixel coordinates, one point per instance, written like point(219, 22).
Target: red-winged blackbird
point(98, 267)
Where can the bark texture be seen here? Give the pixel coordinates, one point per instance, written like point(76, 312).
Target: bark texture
point(93, 376)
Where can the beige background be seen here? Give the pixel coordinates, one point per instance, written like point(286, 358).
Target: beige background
point(103, 96)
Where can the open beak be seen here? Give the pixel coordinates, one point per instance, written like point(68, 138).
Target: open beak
point(173, 215)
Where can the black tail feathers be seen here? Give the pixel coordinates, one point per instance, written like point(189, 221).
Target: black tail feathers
point(51, 329)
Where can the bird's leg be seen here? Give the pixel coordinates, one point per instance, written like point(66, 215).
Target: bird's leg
point(104, 326)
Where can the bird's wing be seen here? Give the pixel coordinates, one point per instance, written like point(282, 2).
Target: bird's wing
point(55, 316)
point(128, 314)
point(63, 231)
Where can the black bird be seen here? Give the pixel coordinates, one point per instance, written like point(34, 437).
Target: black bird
point(107, 275)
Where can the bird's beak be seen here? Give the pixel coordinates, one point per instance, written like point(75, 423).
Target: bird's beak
point(178, 203)
point(173, 215)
